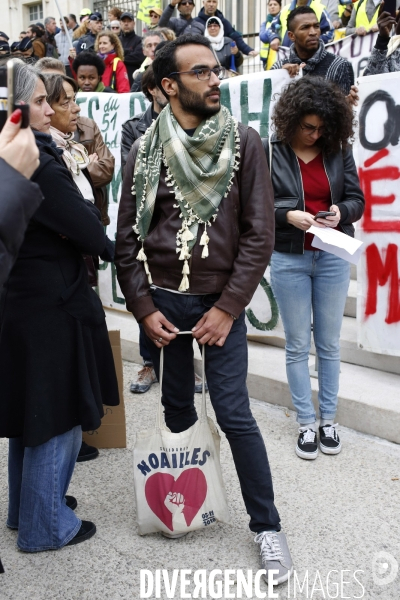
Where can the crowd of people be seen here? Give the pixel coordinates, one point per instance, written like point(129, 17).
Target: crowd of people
point(187, 165)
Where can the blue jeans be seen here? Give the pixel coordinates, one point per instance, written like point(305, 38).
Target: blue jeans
point(315, 281)
point(38, 479)
point(226, 372)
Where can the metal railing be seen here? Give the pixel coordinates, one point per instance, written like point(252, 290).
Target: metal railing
point(245, 15)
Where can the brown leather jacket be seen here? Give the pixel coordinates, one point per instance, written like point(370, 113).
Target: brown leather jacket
point(101, 172)
point(241, 239)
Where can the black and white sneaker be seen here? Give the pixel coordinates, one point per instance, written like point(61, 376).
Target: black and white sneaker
point(307, 446)
point(329, 442)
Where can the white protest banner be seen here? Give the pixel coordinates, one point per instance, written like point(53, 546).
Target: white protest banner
point(252, 108)
point(110, 111)
point(356, 48)
point(378, 157)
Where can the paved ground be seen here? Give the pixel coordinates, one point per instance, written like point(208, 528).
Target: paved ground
point(340, 514)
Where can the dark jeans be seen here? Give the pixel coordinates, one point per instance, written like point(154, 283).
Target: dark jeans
point(144, 353)
point(226, 372)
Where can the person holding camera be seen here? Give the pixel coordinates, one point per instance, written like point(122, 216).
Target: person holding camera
point(315, 182)
point(56, 362)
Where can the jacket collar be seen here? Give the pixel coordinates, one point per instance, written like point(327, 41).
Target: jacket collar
point(312, 62)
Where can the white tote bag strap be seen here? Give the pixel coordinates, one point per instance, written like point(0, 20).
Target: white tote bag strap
point(203, 414)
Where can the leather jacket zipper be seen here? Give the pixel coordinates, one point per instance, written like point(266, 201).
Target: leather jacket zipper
point(302, 191)
point(330, 186)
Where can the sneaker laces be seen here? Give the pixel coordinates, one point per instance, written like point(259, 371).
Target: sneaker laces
point(330, 430)
point(270, 548)
point(143, 373)
point(308, 435)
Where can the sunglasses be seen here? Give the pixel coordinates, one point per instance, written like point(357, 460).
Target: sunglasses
point(186, 3)
point(117, 27)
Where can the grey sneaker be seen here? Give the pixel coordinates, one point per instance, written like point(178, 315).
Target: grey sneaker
point(275, 554)
point(198, 384)
point(145, 379)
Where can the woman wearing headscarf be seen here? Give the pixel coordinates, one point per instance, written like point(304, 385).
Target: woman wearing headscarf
point(56, 363)
point(223, 47)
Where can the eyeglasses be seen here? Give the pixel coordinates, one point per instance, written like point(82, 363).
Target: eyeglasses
point(203, 74)
point(118, 27)
point(310, 129)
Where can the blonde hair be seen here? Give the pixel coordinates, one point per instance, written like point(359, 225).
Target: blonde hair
point(114, 39)
point(167, 33)
point(82, 30)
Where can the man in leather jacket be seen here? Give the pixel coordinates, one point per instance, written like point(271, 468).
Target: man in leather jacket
point(164, 231)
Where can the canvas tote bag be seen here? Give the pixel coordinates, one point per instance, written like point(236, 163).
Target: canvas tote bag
point(178, 480)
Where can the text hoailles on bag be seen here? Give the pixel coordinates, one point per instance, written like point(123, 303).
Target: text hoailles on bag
point(178, 480)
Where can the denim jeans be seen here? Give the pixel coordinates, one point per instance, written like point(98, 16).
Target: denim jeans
point(38, 479)
point(315, 281)
point(226, 372)
point(144, 353)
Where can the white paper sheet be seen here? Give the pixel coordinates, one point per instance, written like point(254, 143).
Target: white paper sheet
point(337, 243)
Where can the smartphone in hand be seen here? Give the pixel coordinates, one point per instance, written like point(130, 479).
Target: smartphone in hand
point(390, 7)
point(7, 96)
point(324, 213)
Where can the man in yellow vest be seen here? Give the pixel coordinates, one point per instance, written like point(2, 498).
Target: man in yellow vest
point(364, 17)
point(325, 23)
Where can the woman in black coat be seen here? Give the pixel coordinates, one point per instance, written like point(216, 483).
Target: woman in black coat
point(56, 364)
point(223, 47)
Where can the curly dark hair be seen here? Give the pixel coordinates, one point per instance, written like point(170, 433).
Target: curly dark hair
point(315, 96)
point(89, 58)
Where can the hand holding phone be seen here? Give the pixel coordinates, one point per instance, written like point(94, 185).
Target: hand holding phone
point(322, 214)
point(18, 146)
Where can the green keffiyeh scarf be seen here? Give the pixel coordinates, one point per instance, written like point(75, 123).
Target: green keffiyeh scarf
point(200, 169)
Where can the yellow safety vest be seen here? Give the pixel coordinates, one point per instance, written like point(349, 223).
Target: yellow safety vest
point(144, 8)
point(362, 17)
point(317, 7)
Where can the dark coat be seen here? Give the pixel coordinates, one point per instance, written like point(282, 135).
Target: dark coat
point(133, 52)
point(289, 194)
point(224, 55)
point(177, 24)
point(198, 26)
point(56, 363)
point(133, 129)
point(20, 199)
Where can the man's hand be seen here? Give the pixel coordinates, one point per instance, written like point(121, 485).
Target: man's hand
point(18, 146)
point(301, 219)
point(274, 45)
point(385, 24)
point(331, 221)
point(159, 329)
point(353, 98)
point(361, 31)
point(234, 49)
point(254, 53)
point(213, 327)
point(174, 2)
point(293, 69)
point(72, 53)
point(336, 24)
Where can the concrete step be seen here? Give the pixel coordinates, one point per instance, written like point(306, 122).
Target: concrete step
point(350, 309)
point(368, 399)
point(349, 350)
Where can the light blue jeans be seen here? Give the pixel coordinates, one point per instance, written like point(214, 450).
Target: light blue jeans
point(315, 281)
point(38, 479)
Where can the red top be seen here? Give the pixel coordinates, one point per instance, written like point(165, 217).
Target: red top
point(121, 76)
point(317, 192)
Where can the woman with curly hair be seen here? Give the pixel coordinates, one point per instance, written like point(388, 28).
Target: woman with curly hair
point(109, 48)
point(313, 172)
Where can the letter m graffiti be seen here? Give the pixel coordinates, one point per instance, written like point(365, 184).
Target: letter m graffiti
point(380, 272)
